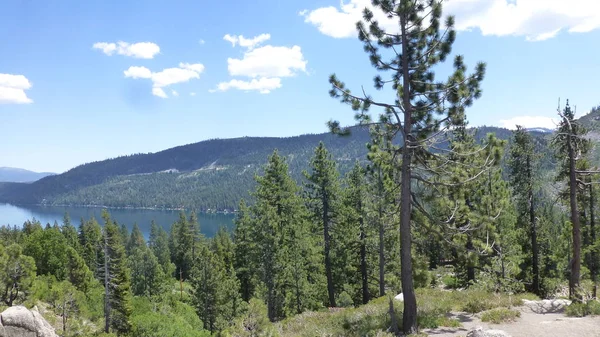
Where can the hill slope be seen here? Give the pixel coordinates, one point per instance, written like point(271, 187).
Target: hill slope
point(19, 175)
point(209, 175)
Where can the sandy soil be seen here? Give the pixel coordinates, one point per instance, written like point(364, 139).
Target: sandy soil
point(538, 318)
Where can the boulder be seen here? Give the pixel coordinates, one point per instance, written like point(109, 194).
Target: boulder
point(18, 321)
point(399, 297)
point(480, 332)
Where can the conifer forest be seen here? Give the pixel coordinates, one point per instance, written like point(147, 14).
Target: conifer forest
point(453, 219)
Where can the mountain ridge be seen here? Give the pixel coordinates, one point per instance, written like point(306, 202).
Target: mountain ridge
point(20, 175)
point(209, 175)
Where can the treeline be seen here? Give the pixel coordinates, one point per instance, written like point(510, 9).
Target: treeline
point(331, 241)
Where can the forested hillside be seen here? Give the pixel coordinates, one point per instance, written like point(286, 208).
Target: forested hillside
point(209, 175)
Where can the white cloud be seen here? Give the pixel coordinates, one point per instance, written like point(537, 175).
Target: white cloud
point(174, 93)
point(166, 77)
point(138, 72)
point(265, 66)
point(192, 94)
point(201, 41)
point(159, 92)
point(268, 61)
point(197, 67)
point(263, 85)
point(529, 122)
point(536, 20)
point(12, 89)
point(246, 43)
point(142, 50)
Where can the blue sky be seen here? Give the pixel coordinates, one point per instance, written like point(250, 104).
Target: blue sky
point(82, 81)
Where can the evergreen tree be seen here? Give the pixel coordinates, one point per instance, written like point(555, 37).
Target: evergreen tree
point(159, 244)
point(135, 239)
point(215, 294)
point(245, 262)
point(570, 147)
point(147, 276)
point(70, 232)
point(322, 191)
point(425, 106)
point(90, 237)
point(78, 273)
point(117, 287)
point(279, 232)
point(17, 272)
point(522, 164)
point(354, 202)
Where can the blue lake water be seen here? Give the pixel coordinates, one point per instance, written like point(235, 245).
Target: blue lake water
point(17, 215)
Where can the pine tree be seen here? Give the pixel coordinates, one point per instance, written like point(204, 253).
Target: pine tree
point(354, 200)
point(135, 239)
point(70, 232)
point(570, 147)
point(117, 287)
point(522, 164)
point(147, 276)
point(322, 191)
point(245, 262)
point(90, 237)
point(282, 246)
point(422, 106)
point(159, 244)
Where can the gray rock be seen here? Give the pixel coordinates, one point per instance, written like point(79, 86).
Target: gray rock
point(399, 297)
point(479, 332)
point(18, 321)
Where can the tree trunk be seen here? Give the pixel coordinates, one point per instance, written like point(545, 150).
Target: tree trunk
point(409, 315)
point(594, 257)
point(470, 266)
point(576, 262)
point(106, 287)
point(327, 239)
point(381, 242)
point(533, 228)
point(363, 261)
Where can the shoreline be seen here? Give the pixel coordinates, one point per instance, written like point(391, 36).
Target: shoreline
point(132, 208)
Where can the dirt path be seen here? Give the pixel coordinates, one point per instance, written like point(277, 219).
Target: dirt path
point(538, 318)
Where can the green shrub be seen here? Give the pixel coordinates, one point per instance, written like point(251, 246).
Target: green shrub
point(583, 309)
point(345, 300)
point(450, 282)
point(500, 315)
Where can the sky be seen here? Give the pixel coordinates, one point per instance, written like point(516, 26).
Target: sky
point(83, 81)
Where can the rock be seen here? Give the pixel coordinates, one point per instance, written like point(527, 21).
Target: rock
point(547, 306)
point(399, 297)
point(18, 321)
point(479, 332)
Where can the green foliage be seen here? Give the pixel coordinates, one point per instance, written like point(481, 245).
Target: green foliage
point(253, 323)
point(17, 273)
point(48, 247)
point(116, 278)
point(591, 307)
point(167, 318)
point(500, 315)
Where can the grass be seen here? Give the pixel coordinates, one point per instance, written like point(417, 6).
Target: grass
point(373, 320)
point(500, 315)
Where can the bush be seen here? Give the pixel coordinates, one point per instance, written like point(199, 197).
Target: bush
point(345, 300)
point(583, 309)
point(500, 315)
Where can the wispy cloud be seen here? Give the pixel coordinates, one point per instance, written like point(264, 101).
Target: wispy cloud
point(166, 77)
point(142, 50)
point(529, 122)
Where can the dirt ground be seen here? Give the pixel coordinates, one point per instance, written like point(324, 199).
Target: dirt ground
point(538, 318)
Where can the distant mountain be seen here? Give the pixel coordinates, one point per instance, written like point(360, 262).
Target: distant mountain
point(18, 175)
point(209, 175)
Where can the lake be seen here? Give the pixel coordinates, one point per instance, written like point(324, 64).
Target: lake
point(17, 215)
